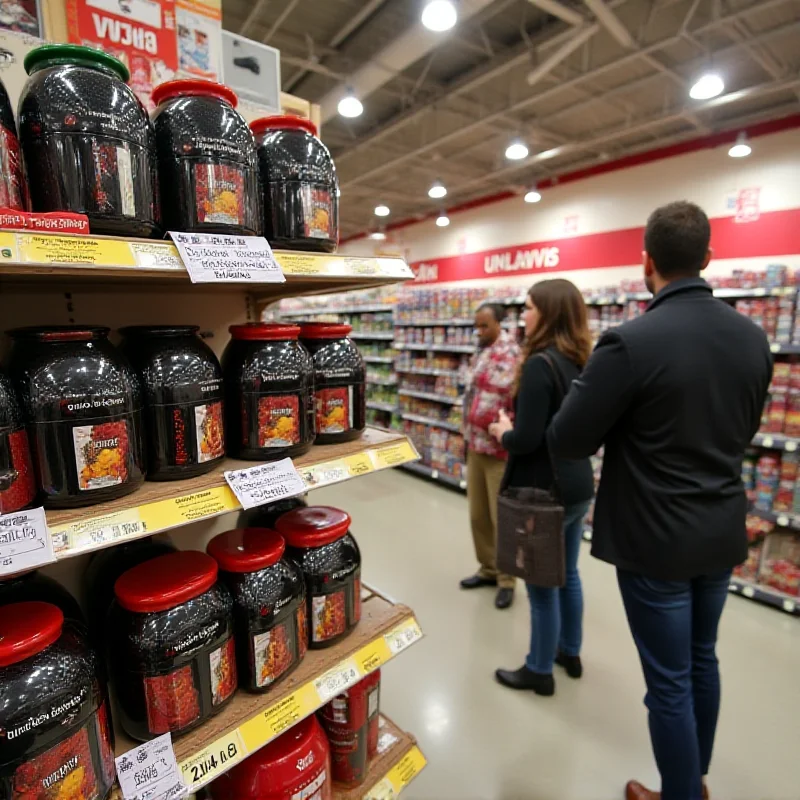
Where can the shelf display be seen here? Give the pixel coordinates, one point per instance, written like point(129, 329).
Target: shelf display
point(54, 710)
point(13, 188)
point(83, 406)
point(17, 478)
point(269, 386)
point(339, 375)
point(298, 178)
point(207, 169)
point(172, 658)
point(269, 604)
point(181, 380)
point(94, 157)
point(318, 539)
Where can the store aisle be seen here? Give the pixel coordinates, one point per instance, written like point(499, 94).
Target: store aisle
point(484, 742)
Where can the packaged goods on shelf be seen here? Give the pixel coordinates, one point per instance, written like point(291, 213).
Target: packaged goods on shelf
point(33, 586)
point(748, 571)
point(458, 335)
point(377, 393)
point(422, 305)
point(377, 350)
point(378, 373)
point(774, 314)
point(445, 385)
point(780, 563)
point(439, 449)
point(364, 298)
point(369, 323)
point(431, 409)
point(13, 188)
point(408, 360)
point(17, 478)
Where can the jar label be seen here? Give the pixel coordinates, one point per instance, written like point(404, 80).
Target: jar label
point(318, 789)
point(302, 630)
point(334, 409)
point(172, 700)
point(113, 190)
point(223, 672)
point(12, 186)
point(219, 194)
point(273, 653)
point(102, 454)
point(328, 616)
point(209, 431)
point(317, 212)
point(127, 195)
point(22, 487)
point(278, 421)
point(356, 600)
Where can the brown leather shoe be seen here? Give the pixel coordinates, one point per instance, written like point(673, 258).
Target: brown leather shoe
point(635, 791)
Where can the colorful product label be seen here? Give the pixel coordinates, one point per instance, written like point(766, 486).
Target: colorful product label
point(223, 672)
point(334, 409)
point(219, 194)
point(302, 630)
point(356, 600)
point(278, 420)
point(317, 789)
point(102, 454)
point(209, 431)
point(273, 652)
point(317, 212)
point(328, 616)
point(21, 487)
point(113, 191)
point(12, 185)
point(172, 700)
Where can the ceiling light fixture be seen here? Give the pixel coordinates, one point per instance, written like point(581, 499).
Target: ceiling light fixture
point(707, 86)
point(437, 191)
point(517, 150)
point(442, 221)
point(378, 236)
point(439, 15)
point(742, 147)
point(350, 106)
point(382, 211)
point(533, 195)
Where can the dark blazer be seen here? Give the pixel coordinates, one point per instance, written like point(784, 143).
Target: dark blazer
point(534, 406)
point(675, 396)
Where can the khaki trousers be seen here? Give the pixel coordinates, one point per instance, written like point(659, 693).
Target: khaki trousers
point(484, 474)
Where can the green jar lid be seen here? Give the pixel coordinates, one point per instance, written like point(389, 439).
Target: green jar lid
point(49, 55)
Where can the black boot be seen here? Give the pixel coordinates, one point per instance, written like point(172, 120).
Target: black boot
point(524, 678)
point(476, 581)
point(504, 598)
point(572, 664)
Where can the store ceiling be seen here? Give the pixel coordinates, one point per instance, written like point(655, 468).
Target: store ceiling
point(611, 81)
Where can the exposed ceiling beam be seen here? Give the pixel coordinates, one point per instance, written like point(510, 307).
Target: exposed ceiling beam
point(557, 9)
point(251, 17)
point(290, 6)
point(582, 35)
point(611, 22)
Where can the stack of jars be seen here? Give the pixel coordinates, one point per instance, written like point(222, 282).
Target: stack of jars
point(89, 147)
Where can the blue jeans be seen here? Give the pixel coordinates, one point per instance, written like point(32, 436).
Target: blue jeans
point(557, 614)
point(674, 625)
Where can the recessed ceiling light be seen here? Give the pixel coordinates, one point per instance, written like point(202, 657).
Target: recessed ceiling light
point(379, 236)
point(532, 195)
point(707, 86)
point(437, 191)
point(442, 220)
point(439, 15)
point(517, 150)
point(350, 106)
point(382, 211)
point(742, 147)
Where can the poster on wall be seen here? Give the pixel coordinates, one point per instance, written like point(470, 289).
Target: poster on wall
point(141, 33)
point(200, 38)
point(21, 16)
point(13, 49)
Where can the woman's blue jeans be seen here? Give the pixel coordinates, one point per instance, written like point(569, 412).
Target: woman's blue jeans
point(557, 614)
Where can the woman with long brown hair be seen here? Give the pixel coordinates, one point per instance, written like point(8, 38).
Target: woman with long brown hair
point(555, 325)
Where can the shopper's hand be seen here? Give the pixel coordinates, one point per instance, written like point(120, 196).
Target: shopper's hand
point(503, 425)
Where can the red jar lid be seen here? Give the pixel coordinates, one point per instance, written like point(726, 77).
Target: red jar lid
point(283, 122)
point(264, 331)
point(193, 88)
point(324, 330)
point(246, 549)
point(26, 629)
point(166, 581)
point(313, 526)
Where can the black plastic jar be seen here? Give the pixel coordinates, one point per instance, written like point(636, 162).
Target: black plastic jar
point(298, 178)
point(13, 189)
point(171, 648)
point(340, 399)
point(57, 740)
point(182, 382)
point(33, 586)
point(269, 609)
point(267, 515)
point(269, 392)
point(17, 477)
point(83, 407)
point(87, 140)
point(318, 539)
point(207, 167)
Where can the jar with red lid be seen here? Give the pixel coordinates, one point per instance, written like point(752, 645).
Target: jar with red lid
point(31, 585)
point(295, 766)
point(172, 655)
point(57, 739)
point(340, 399)
point(207, 169)
point(298, 178)
point(269, 598)
point(318, 539)
point(269, 392)
point(17, 478)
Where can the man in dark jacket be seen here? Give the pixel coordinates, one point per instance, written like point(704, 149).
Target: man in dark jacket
point(675, 396)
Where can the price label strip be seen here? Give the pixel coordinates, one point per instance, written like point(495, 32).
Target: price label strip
point(150, 772)
point(265, 483)
point(336, 680)
point(215, 759)
point(403, 636)
point(25, 542)
point(399, 776)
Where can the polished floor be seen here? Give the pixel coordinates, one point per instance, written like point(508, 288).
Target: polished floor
point(484, 742)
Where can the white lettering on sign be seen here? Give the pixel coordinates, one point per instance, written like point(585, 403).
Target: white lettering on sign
point(150, 772)
point(125, 34)
point(264, 483)
point(426, 272)
point(522, 260)
point(25, 542)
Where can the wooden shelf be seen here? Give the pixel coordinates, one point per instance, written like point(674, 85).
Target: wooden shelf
point(161, 506)
point(251, 721)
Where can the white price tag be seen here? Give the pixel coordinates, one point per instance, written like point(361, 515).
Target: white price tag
point(336, 680)
point(212, 258)
point(150, 772)
point(382, 790)
point(403, 636)
point(775, 347)
point(748, 591)
point(264, 483)
point(790, 447)
point(25, 542)
point(782, 520)
point(789, 606)
point(767, 441)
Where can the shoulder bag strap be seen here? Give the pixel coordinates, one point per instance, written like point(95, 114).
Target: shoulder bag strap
point(561, 393)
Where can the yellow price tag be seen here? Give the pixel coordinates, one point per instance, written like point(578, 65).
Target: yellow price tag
point(156, 255)
point(215, 759)
point(189, 508)
point(296, 264)
point(393, 455)
point(359, 464)
point(8, 247)
point(277, 718)
point(372, 656)
point(409, 766)
point(96, 531)
point(403, 636)
point(48, 249)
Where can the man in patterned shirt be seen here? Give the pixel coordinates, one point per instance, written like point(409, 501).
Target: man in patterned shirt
point(491, 375)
